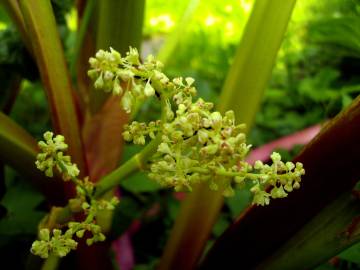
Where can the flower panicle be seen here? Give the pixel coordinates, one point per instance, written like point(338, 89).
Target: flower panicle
point(58, 242)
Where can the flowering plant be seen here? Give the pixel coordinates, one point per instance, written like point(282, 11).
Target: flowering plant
point(191, 143)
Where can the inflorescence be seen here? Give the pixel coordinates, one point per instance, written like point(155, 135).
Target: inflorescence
point(194, 144)
point(58, 242)
point(197, 144)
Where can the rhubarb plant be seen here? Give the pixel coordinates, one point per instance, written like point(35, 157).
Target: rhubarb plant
point(191, 143)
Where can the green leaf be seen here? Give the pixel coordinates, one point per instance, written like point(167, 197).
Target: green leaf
point(139, 182)
point(352, 254)
point(221, 225)
point(326, 267)
point(21, 217)
point(346, 100)
point(239, 201)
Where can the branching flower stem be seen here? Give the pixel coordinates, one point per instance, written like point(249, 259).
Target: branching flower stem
point(137, 162)
point(134, 164)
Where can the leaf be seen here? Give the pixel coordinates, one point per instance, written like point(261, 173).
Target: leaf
point(221, 225)
point(20, 202)
point(352, 254)
point(102, 138)
point(287, 142)
point(239, 201)
point(345, 100)
point(139, 182)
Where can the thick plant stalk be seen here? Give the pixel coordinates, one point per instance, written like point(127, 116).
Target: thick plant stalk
point(242, 92)
point(255, 58)
point(331, 160)
point(18, 150)
point(173, 39)
point(49, 54)
point(120, 24)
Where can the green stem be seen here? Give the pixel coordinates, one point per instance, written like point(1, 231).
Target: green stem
point(251, 176)
point(51, 263)
point(137, 162)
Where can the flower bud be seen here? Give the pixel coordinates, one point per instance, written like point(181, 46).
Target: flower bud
point(44, 234)
point(216, 119)
point(202, 136)
point(275, 157)
point(117, 89)
point(99, 83)
point(189, 81)
point(149, 90)
point(127, 101)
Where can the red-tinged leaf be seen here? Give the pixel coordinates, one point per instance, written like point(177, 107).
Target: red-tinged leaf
point(124, 255)
point(103, 138)
point(334, 229)
point(18, 150)
point(331, 162)
point(287, 142)
point(42, 29)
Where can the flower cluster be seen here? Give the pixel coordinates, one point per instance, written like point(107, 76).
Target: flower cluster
point(278, 179)
point(202, 145)
point(112, 73)
point(197, 143)
point(137, 132)
point(52, 155)
point(60, 243)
